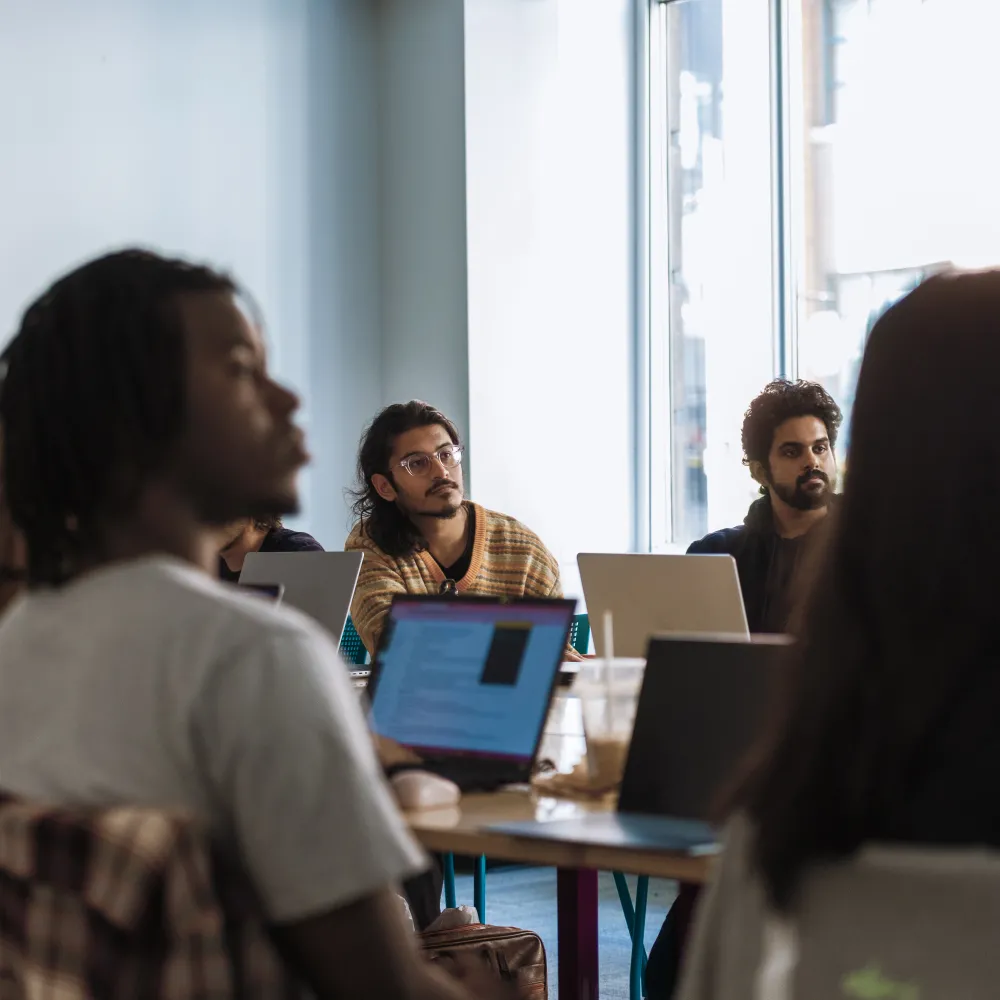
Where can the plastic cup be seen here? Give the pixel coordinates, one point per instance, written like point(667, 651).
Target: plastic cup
point(608, 693)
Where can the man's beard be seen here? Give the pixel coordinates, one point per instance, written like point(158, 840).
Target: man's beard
point(799, 499)
point(442, 514)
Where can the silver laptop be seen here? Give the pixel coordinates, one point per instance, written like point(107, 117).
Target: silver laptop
point(321, 584)
point(651, 594)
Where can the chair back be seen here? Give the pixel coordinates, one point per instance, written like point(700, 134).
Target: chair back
point(893, 923)
point(352, 649)
point(579, 634)
point(126, 903)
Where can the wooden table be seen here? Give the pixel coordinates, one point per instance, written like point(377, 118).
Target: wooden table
point(464, 829)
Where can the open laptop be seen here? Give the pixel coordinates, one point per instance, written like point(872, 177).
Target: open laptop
point(321, 584)
point(466, 682)
point(657, 594)
point(272, 592)
point(703, 704)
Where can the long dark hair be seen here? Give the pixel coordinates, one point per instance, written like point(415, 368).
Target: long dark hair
point(903, 606)
point(384, 523)
point(92, 400)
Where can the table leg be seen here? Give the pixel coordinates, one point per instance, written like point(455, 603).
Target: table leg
point(576, 894)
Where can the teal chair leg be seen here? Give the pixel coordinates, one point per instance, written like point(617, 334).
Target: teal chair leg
point(626, 900)
point(637, 972)
point(635, 921)
point(479, 888)
point(449, 881)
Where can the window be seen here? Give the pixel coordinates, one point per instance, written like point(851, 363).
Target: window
point(889, 147)
point(811, 161)
point(715, 346)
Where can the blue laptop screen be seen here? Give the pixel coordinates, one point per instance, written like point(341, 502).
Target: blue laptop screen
point(461, 676)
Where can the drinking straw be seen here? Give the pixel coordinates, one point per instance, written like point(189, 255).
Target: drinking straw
point(609, 656)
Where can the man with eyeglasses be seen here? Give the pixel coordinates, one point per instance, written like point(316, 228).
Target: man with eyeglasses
point(419, 534)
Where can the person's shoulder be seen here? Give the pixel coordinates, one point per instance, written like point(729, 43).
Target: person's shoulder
point(503, 526)
point(506, 536)
point(171, 596)
point(289, 540)
point(722, 542)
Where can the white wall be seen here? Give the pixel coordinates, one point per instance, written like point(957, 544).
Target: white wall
point(236, 131)
point(428, 197)
point(422, 184)
point(342, 263)
point(550, 186)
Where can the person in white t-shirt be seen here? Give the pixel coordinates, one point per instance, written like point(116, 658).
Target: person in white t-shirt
point(140, 417)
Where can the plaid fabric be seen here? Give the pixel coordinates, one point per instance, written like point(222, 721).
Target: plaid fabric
point(126, 903)
point(508, 560)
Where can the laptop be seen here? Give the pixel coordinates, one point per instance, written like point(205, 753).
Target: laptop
point(656, 594)
point(272, 592)
point(703, 704)
point(321, 584)
point(466, 682)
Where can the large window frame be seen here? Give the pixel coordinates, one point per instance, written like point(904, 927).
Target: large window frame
point(659, 483)
point(803, 100)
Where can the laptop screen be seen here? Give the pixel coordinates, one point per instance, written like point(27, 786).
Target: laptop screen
point(703, 705)
point(468, 676)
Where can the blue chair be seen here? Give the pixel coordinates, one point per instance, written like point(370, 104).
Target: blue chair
point(579, 634)
point(352, 649)
point(478, 884)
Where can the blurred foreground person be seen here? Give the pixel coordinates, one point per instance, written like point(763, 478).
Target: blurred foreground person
point(889, 728)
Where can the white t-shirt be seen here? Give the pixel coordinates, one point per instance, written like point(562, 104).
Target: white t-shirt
point(148, 683)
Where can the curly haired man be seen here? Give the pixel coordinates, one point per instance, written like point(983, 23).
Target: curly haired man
point(789, 437)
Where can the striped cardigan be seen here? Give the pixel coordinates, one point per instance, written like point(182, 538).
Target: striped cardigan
point(508, 560)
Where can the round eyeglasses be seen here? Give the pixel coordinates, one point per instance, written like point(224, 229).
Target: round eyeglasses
point(420, 464)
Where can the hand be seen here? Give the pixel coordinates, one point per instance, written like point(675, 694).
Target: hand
point(391, 753)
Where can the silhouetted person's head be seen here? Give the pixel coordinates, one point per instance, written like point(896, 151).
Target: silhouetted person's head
point(137, 408)
point(903, 610)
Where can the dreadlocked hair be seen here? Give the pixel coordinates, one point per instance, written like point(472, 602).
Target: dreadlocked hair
point(92, 400)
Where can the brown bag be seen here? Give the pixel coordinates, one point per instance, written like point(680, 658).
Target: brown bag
point(517, 956)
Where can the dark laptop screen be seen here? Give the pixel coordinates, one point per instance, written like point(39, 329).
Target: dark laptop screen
point(462, 675)
point(702, 706)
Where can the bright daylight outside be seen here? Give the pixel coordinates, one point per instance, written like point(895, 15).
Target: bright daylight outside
point(802, 202)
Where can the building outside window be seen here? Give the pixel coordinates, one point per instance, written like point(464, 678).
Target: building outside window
point(811, 161)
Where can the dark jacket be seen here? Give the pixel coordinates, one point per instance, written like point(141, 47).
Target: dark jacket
point(276, 540)
point(753, 546)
